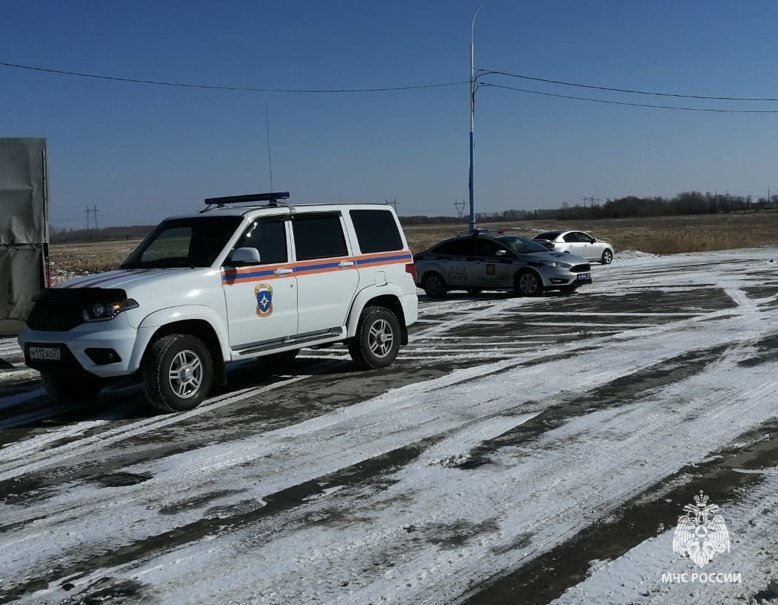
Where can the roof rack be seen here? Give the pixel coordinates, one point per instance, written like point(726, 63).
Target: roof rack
point(271, 198)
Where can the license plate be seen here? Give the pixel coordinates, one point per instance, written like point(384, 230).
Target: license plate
point(583, 276)
point(45, 353)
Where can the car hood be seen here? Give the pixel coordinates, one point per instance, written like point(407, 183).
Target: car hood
point(135, 281)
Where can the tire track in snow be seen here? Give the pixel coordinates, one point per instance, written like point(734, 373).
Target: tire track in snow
point(326, 444)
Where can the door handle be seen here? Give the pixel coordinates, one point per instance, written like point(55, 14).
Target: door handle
point(282, 271)
point(346, 263)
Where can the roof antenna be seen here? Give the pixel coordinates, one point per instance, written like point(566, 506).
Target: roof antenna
point(269, 159)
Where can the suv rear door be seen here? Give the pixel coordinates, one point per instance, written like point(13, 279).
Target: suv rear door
point(326, 276)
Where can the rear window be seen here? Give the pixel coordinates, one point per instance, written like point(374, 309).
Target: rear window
point(318, 236)
point(376, 231)
point(549, 235)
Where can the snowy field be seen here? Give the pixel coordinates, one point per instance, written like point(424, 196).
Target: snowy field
point(521, 450)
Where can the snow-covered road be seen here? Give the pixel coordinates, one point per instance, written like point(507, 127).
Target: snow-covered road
point(521, 450)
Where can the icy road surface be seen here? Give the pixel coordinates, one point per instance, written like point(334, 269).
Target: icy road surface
point(519, 451)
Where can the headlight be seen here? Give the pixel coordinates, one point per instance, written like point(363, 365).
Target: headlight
point(556, 264)
point(109, 310)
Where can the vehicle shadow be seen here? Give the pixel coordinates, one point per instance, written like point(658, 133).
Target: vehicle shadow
point(25, 406)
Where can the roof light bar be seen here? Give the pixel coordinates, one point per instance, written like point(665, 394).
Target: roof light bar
point(272, 198)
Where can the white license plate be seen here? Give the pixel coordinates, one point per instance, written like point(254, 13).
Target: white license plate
point(582, 276)
point(45, 353)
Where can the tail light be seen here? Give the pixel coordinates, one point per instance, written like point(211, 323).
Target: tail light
point(411, 268)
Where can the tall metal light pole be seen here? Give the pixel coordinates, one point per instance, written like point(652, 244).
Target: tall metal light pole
point(472, 114)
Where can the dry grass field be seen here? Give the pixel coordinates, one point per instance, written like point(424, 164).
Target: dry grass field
point(664, 235)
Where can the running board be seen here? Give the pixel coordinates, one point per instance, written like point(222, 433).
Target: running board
point(289, 341)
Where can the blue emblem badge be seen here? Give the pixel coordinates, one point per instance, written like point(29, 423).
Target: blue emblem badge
point(264, 295)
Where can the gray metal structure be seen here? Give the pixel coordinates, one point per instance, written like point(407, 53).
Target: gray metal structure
point(24, 232)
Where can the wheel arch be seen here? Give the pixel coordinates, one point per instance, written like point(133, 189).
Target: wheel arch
point(200, 329)
point(390, 300)
point(524, 270)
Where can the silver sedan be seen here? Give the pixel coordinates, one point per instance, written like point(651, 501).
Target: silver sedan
point(481, 262)
point(578, 243)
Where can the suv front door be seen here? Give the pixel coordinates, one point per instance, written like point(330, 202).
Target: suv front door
point(261, 297)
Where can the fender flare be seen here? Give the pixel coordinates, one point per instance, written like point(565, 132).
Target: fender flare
point(362, 299)
point(158, 319)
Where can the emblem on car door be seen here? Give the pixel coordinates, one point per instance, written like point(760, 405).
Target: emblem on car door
point(264, 295)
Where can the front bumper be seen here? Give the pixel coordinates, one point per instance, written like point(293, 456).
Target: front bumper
point(103, 349)
point(556, 277)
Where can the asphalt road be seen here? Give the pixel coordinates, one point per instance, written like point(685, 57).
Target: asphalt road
point(519, 450)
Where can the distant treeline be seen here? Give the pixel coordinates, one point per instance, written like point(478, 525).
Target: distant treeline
point(691, 202)
point(65, 236)
point(687, 203)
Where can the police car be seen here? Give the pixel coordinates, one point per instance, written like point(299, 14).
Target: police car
point(506, 262)
point(247, 277)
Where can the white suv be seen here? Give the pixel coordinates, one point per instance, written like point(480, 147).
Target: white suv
point(228, 283)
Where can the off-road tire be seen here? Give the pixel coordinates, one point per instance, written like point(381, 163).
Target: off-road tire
point(177, 373)
point(528, 283)
point(75, 386)
point(377, 340)
point(434, 285)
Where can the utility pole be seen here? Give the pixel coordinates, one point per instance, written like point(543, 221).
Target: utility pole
point(393, 203)
point(89, 211)
point(459, 206)
point(473, 87)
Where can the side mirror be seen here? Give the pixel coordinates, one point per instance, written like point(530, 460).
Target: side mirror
point(245, 256)
point(549, 245)
point(500, 252)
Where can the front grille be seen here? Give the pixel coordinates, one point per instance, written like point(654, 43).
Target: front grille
point(581, 268)
point(60, 309)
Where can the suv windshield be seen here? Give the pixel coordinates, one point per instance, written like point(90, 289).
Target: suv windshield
point(522, 245)
point(184, 242)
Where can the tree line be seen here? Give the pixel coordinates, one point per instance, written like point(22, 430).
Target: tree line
point(687, 203)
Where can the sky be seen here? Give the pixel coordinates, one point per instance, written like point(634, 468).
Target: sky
point(140, 152)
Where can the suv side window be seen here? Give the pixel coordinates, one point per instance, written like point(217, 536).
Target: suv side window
point(489, 249)
point(376, 231)
point(456, 247)
point(269, 238)
point(318, 236)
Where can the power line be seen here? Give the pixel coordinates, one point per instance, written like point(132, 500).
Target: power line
point(63, 72)
point(486, 72)
point(609, 102)
point(481, 73)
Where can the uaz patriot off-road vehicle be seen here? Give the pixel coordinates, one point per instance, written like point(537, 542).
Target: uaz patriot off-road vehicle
point(232, 282)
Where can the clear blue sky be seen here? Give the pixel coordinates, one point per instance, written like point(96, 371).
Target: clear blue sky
point(141, 152)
